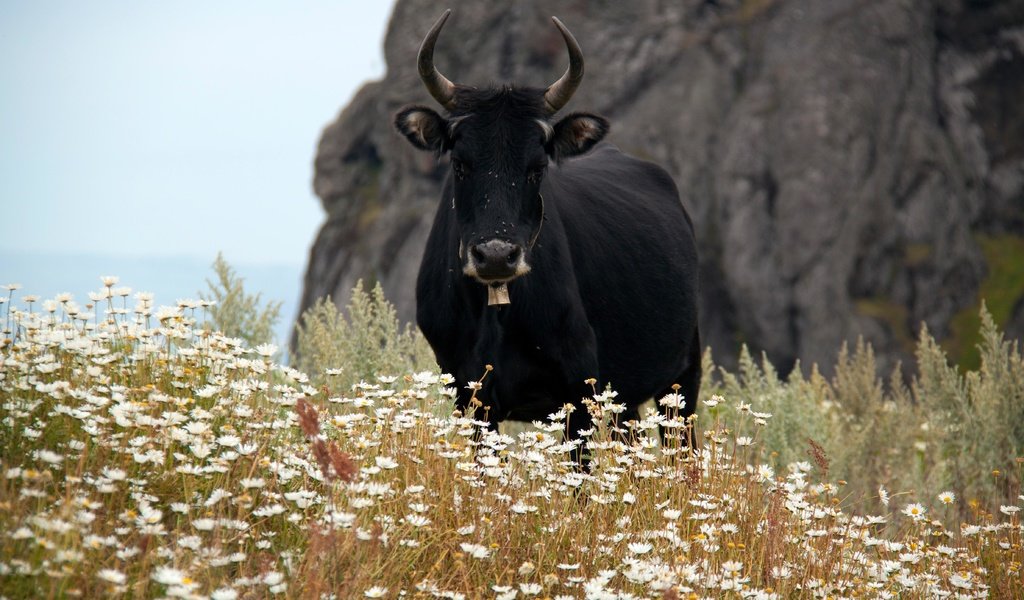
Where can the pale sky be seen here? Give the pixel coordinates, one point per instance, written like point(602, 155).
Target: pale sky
point(173, 128)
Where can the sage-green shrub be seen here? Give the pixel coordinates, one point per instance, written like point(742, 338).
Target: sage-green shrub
point(945, 430)
point(235, 312)
point(363, 344)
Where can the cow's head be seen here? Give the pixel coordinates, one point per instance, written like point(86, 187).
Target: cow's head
point(500, 141)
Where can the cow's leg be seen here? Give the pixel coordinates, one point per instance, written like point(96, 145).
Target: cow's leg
point(575, 353)
point(478, 369)
point(691, 376)
point(689, 389)
point(579, 420)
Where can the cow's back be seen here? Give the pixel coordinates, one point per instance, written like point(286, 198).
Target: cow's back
point(635, 262)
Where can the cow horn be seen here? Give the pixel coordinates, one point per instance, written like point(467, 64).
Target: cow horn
point(437, 84)
point(559, 93)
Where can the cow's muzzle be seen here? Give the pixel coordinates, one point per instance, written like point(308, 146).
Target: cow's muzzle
point(496, 261)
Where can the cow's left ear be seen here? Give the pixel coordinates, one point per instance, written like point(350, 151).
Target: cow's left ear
point(576, 134)
point(423, 127)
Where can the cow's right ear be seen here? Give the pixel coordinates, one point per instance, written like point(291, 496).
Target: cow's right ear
point(423, 127)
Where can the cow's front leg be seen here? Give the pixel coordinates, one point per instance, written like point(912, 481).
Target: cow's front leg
point(580, 375)
point(475, 396)
point(579, 420)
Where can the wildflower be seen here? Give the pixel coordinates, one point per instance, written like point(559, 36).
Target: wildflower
point(672, 401)
point(266, 350)
point(475, 550)
point(200, 450)
point(197, 427)
point(530, 589)
point(224, 594)
point(228, 440)
point(114, 474)
point(166, 313)
point(961, 580)
point(914, 511)
point(50, 457)
point(713, 401)
point(744, 441)
point(640, 547)
point(783, 572)
point(941, 549)
point(732, 567)
point(111, 575)
point(23, 533)
point(526, 569)
point(521, 508)
point(947, 497)
point(169, 576)
point(273, 578)
point(204, 524)
point(386, 462)
point(883, 496)
point(1009, 510)
point(216, 496)
point(301, 498)
point(376, 592)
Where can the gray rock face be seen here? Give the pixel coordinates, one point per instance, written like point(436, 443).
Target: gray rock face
point(840, 158)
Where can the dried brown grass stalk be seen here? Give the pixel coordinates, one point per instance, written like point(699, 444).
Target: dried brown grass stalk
point(309, 420)
point(773, 538)
point(323, 543)
point(817, 454)
point(343, 465)
point(334, 464)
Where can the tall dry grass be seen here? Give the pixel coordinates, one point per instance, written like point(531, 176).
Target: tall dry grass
point(147, 455)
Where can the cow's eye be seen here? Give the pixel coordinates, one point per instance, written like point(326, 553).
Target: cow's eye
point(535, 174)
point(459, 168)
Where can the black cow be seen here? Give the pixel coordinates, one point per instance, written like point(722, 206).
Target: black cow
point(552, 257)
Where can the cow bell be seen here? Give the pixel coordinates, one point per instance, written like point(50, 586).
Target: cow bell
point(498, 295)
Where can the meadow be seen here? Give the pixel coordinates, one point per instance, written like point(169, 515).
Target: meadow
point(166, 451)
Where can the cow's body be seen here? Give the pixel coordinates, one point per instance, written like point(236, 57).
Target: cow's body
point(611, 295)
point(551, 258)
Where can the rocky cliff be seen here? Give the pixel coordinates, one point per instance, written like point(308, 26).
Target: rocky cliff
point(852, 166)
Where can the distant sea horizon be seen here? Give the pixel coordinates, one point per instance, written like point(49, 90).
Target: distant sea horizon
point(168, 278)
